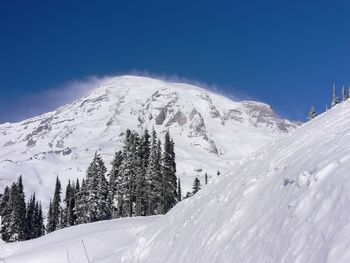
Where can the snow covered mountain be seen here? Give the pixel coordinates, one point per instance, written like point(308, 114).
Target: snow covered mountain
point(286, 203)
point(211, 132)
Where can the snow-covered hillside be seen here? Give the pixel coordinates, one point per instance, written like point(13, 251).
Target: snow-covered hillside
point(211, 132)
point(288, 202)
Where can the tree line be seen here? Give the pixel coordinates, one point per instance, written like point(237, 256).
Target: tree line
point(142, 182)
point(335, 100)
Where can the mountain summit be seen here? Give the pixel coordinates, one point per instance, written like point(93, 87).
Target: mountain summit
point(211, 132)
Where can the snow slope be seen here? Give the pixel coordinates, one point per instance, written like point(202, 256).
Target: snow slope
point(289, 202)
point(104, 242)
point(211, 132)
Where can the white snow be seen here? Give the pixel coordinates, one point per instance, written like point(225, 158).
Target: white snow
point(104, 241)
point(288, 202)
point(211, 132)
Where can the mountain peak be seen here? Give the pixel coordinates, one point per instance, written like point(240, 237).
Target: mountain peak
point(211, 131)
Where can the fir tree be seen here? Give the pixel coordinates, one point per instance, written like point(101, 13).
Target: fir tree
point(5, 213)
point(128, 170)
point(345, 93)
point(153, 176)
point(54, 214)
point(168, 179)
point(335, 99)
point(206, 178)
point(179, 190)
point(196, 186)
point(312, 113)
point(114, 186)
point(18, 212)
point(81, 208)
point(93, 199)
point(38, 221)
point(29, 228)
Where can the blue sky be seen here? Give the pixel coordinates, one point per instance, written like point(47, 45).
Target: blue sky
point(285, 53)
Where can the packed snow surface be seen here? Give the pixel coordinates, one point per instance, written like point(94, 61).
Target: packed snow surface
point(103, 241)
point(288, 202)
point(211, 132)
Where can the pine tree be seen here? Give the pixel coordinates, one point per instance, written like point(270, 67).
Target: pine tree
point(179, 190)
point(55, 208)
point(196, 186)
point(5, 213)
point(50, 220)
point(128, 171)
point(153, 176)
point(29, 228)
point(335, 99)
point(81, 208)
point(206, 178)
point(345, 93)
point(168, 179)
point(104, 209)
point(114, 186)
point(93, 202)
point(65, 210)
point(312, 113)
point(71, 215)
point(18, 212)
point(38, 221)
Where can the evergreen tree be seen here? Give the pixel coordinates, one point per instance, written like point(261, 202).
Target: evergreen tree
point(206, 178)
point(5, 213)
point(104, 209)
point(168, 179)
point(93, 199)
point(335, 99)
point(55, 208)
point(153, 176)
point(179, 190)
point(68, 213)
point(312, 113)
point(38, 221)
point(29, 228)
point(196, 186)
point(115, 180)
point(81, 208)
point(345, 93)
point(71, 215)
point(128, 171)
point(18, 212)
point(50, 220)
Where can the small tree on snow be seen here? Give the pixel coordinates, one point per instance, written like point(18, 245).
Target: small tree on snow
point(312, 113)
point(345, 93)
point(335, 99)
point(196, 186)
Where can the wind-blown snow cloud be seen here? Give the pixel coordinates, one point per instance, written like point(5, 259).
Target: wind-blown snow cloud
point(33, 104)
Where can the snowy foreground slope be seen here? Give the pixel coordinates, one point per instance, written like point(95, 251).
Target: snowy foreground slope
point(103, 241)
point(288, 202)
point(211, 132)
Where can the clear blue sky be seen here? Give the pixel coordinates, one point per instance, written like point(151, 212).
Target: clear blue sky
point(285, 53)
